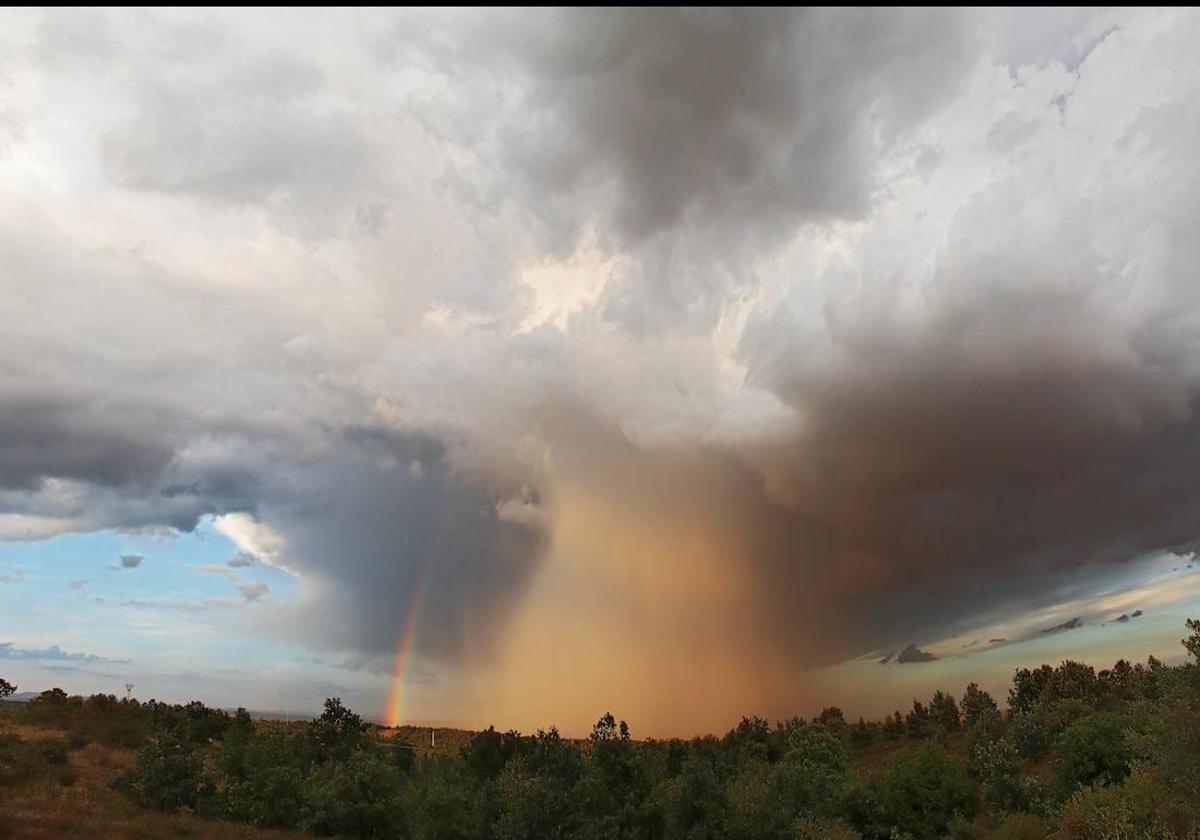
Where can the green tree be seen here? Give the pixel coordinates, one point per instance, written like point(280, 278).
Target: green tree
point(977, 704)
point(1139, 808)
point(358, 797)
point(1027, 688)
point(755, 811)
point(1095, 750)
point(1071, 681)
point(924, 789)
point(169, 774)
point(6, 688)
point(441, 803)
point(893, 726)
point(1192, 642)
point(997, 765)
point(813, 775)
point(692, 805)
point(832, 718)
point(337, 732)
point(264, 778)
point(752, 739)
point(916, 722)
point(488, 751)
point(943, 712)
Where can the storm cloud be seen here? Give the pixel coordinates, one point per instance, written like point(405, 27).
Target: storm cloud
point(644, 347)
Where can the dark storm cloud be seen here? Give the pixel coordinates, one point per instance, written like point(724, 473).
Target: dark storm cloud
point(912, 332)
point(938, 500)
point(53, 438)
point(912, 653)
point(379, 537)
point(730, 120)
point(1070, 624)
point(693, 138)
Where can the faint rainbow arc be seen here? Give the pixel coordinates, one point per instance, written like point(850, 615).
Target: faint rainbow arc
point(393, 714)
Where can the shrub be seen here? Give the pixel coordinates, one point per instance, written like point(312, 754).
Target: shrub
point(1035, 732)
point(440, 804)
point(169, 775)
point(1138, 808)
point(264, 778)
point(924, 790)
point(1095, 750)
point(807, 828)
point(812, 776)
point(692, 804)
point(997, 765)
point(356, 798)
point(976, 705)
point(1020, 827)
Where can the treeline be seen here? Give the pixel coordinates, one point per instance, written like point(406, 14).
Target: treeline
point(1075, 754)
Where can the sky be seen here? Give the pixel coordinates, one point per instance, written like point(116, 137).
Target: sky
point(494, 367)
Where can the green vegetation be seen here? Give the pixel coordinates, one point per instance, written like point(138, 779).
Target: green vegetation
point(1076, 755)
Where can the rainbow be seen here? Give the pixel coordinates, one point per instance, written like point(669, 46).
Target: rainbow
point(393, 712)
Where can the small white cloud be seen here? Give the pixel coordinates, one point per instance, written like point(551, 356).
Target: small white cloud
point(254, 538)
point(77, 584)
point(17, 576)
point(522, 509)
point(217, 569)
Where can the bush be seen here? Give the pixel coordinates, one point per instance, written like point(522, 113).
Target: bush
point(997, 765)
point(169, 775)
point(807, 828)
point(812, 776)
point(356, 798)
point(1021, 827)
point(1035, 731)
point(924, 790)
point(440, 804)
point(755, 811)
point(337, 732)
point(1138, 808)
point(692, 804)
point(22, 760)
point(264, 780)
point(1095, 750)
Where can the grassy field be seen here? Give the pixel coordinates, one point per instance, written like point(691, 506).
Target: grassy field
point(51, 792)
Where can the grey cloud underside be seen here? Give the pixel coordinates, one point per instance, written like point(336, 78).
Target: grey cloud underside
point(42, 438)
point(694, 138)
point(725, 119)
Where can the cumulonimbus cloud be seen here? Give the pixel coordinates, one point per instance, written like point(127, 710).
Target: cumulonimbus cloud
point(889, 321)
